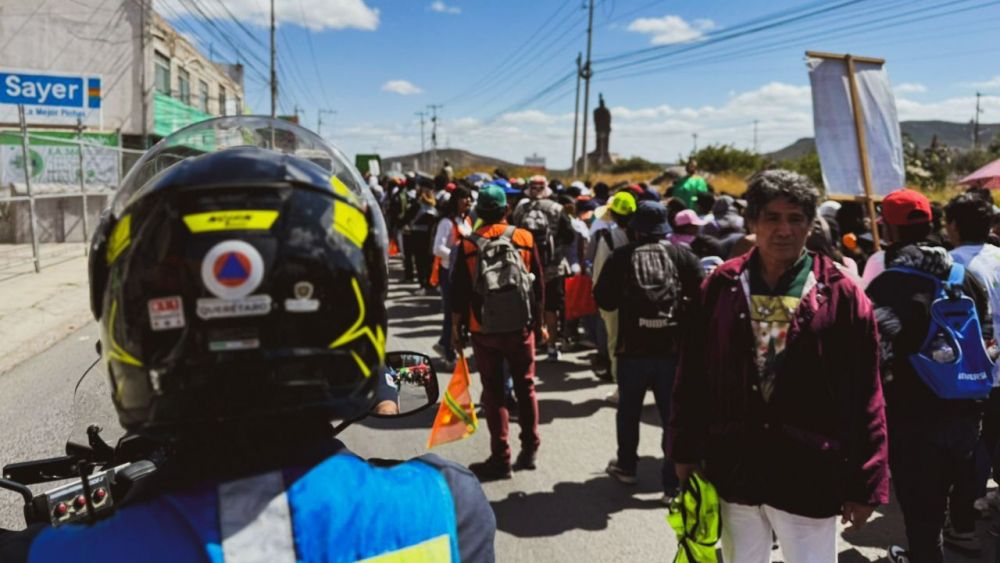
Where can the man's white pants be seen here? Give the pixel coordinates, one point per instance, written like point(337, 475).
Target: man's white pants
point(746, 535)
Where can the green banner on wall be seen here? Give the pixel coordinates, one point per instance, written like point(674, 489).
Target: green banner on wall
point(170, 114)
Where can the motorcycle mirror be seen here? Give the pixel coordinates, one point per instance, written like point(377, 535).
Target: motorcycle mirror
point(408, 384)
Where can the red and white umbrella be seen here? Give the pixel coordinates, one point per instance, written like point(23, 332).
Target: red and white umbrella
point(986, 177)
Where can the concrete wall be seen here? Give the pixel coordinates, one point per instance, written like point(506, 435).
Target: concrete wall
point(81, 36)
point(59, 219)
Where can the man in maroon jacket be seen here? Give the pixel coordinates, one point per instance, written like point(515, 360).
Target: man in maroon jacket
point(777, 398)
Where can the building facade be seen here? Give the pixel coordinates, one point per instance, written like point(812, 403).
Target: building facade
point(131, 79)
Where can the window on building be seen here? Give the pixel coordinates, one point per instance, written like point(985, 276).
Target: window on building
point(162, 64)
point(203, 96)
point(222, 100)
point(184, 85)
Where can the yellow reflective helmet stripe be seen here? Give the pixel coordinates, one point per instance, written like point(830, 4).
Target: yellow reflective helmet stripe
point(434, 550)
point(351, 223)
point(115, 351)
point(341, 189)
point(120, 238)
point(358, 329)
point(361, 364)
point(231, 220)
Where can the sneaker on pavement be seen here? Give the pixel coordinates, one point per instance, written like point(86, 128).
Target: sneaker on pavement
point(492, 469)
point(620, 474)
point(993, 498)
point(553, 354)
point(966, 542)
point(668, 497)
point(525, 461)
point(898, 555)
point(438, 349)
point(612, 397)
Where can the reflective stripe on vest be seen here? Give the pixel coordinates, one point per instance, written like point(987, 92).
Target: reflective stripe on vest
point(255, 520)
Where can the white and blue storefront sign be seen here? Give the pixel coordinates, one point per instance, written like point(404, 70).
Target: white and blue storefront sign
point(50, 98)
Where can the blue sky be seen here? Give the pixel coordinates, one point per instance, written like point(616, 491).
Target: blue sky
point(712, 71)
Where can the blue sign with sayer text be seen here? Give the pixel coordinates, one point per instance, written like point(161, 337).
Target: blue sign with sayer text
point(42, 90)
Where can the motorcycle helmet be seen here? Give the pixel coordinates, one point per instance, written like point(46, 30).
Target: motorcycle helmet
point(240, 273)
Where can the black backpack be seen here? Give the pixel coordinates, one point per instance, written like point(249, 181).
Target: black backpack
point(503, 282)
point(538, 220)
point(651, 298)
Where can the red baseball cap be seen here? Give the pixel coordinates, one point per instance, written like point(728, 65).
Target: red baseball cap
point(450, 187)
point(906, 207)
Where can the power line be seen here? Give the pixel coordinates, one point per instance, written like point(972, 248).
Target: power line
point(739, 30)
point(849, 29)
point(312, 55)
point(511, 57)
point(531, 71)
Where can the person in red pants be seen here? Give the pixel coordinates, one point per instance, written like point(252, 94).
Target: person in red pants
point(512, 337)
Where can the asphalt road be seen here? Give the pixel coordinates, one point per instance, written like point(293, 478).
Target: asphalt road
point(567, 510)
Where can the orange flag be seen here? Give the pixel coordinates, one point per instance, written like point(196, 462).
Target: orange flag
point(456, 417)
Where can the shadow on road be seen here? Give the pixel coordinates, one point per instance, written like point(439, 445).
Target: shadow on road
point(551, 409)
point(576, 506)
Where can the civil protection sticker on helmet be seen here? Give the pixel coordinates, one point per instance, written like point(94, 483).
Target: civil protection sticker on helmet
point(232, 269)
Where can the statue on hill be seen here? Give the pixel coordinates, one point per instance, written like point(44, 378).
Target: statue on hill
point(602, 126)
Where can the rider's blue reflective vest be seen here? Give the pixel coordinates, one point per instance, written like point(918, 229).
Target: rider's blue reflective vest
point(340, 510)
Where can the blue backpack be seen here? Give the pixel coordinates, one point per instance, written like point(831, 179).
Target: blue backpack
point(952, 360)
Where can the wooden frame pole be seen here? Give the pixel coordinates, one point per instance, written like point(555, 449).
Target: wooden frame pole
point(859, 131)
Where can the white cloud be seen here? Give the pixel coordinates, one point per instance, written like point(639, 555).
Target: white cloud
point(659, 132)
point(533, 117)
point(401, 87)
point(440, 7)
point(909, 88)
point(987, 84)
point(672, 29)
point(312, 14)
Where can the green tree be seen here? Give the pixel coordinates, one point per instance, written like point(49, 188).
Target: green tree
point(727, 158)
point(808, 165)
point(634, 164)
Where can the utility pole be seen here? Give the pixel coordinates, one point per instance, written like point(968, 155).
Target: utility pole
point(755, 147)
point(586, 90)
point(319, 119)
point(975, 130)
point(576, 107)
point(297, 111)
point(434, 139)
point(144, 42)
point(274, 71)
point(422, 115)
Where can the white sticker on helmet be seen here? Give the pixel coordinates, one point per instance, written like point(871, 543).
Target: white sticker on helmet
point(232, 269)
point(253, 306)
point(166, 313)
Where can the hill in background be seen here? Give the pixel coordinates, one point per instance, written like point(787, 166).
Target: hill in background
point(956, 135)
point(457, 157)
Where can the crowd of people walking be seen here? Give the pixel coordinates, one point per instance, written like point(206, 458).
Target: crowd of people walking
point(795, 365)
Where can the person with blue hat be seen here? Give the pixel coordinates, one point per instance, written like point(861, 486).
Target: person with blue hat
point(654, 287)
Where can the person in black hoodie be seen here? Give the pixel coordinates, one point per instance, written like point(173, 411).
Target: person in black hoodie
point(654, 295)
point(931, 440)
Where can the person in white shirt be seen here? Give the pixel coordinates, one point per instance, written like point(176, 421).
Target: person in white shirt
point(450, 229)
